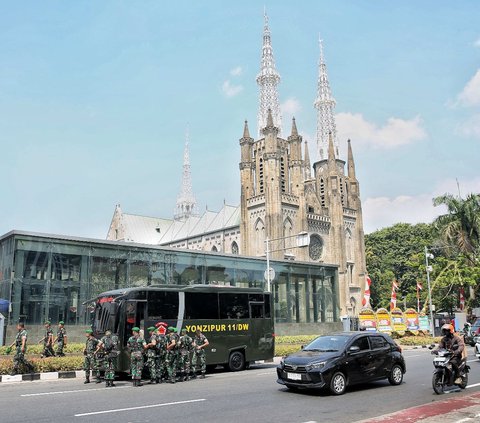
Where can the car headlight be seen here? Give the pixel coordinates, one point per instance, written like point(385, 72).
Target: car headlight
point(282, 362)
point(315, 366)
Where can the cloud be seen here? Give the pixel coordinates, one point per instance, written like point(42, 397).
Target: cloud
point(477, 43)
point(471, 127)
point(470, 95)
point(396, 132)
point(231, 90)
point(381, 212)
point(236, 71)
point(290, 106)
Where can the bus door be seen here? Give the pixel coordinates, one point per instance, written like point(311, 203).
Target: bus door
point(261, 332)
point(134, 316)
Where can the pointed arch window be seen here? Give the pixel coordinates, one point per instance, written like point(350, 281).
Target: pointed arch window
point(235, 248)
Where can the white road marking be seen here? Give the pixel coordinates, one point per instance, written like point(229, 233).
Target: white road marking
point(71, 392)
point(475, 384)
point(139, 408)
point(467, 419)
point(469, 361)
point(267, 373)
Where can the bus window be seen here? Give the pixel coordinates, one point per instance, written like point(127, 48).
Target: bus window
point(200, 305)
point(233, 306)
point(134, 316)
point(256, 310)
point(162, 305)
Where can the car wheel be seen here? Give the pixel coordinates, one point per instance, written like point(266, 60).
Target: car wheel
point(236, 362)
point(396, 375)
point(338, 383)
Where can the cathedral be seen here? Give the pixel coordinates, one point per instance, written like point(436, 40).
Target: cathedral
point(282, 195)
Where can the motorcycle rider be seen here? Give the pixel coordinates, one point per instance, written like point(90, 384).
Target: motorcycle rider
point(454, 343)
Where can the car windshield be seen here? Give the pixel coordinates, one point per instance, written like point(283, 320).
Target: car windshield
point(327, 343)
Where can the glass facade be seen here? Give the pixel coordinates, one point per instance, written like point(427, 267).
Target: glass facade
point(50, 277)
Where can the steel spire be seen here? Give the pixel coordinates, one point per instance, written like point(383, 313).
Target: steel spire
point(268, 79)
point(186, 203)
point(325, 104)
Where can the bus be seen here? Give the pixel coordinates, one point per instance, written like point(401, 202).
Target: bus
point(238, 322)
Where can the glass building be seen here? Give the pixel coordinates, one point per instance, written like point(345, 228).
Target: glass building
point(51, 276)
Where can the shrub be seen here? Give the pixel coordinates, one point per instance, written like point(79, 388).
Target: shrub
point(52, 364)
point(74, 348)
point(295, 339)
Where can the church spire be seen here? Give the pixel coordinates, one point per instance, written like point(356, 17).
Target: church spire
point(294, 129)
point(351, 163)
point(268, 79)
point(246, 132)
point(325, 105)
point(186, 203)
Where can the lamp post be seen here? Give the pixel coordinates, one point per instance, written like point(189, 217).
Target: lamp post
point(429, 269)
point(303, 240)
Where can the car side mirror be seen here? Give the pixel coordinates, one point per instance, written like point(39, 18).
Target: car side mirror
point(353, 349)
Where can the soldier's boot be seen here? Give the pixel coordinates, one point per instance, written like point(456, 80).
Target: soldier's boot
point(194, 375)
point(99, 380)
point(112, 384)
point(139, 382)
point(14, 371)
point(87, 380)
point(202, 376)
point(107, 383)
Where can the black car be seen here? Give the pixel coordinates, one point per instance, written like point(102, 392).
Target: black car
point(341, 359)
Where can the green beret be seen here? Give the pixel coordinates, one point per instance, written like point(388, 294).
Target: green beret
point(136, 329)
point(151, 329)
point(175, 330)
point(89, 331)
point(47, 322)
point(171, 329)
point(61, 322)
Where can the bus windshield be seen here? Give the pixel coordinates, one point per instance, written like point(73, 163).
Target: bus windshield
point(106, 315)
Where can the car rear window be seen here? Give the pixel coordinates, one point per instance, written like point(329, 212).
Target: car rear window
point(378, 342)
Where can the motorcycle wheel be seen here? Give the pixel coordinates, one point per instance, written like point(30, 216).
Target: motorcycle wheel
point(437, 384)
point(464, 383)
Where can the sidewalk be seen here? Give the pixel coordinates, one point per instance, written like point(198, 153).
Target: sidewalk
point(456, 409)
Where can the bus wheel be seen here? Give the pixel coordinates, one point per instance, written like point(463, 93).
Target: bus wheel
point(236, 362)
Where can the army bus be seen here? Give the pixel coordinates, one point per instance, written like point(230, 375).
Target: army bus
point(238, 322)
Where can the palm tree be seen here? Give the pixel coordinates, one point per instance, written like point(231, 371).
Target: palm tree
point(460, 227)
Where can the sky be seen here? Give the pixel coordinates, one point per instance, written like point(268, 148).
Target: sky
point(96, 98)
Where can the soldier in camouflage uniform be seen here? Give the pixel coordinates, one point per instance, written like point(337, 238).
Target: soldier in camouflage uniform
point(47, 341)
point(136, 344)
point(61, 339)
point(171, 359)
point(200, 342)
point(161, 358)
point(151, 362)
point(186, 348)
point(21, 349)
point(109, 346)
point(89, 352)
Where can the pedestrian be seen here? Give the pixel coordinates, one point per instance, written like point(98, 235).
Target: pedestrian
point(171, 359)
point(89, 352)
point(200, 342)
point(61, 338)
point(186, 348)
point(20, 350)
point(136, 344)
point(152, 354)
point(47, 341)
point(161, 359)
point(109, 345)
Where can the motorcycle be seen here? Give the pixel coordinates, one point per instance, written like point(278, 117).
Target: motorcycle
point(477, 346)
point(443, 373)
point(468, 336)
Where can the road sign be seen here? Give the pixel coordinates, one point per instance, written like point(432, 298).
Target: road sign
point(272, 274)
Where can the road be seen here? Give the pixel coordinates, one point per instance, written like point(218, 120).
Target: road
point(249, 396)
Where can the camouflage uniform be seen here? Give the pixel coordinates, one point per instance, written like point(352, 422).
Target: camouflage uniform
point(110, 348)
point(89, 363)
point(152, 356)
point(171, 359)
point(47, 343)
point(61, 335)
point(186, 347)
point(19, 357)
point(199, 354)
point(161, 358)
point(136, 345)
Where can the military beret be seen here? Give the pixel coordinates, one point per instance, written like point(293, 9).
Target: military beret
point(61, 322)
point(175, 330)
point(89, 331)
point(151, 328)
point(171, 328)
point(136, 329)
point(47, 322)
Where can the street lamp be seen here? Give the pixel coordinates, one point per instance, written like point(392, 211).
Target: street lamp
point(303, 240)
point(429, 269)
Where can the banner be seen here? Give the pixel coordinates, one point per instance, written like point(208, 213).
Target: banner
point(367, 320)
point(411, 320)
point(398, 321)
point(393, 299)
point(383, 321)
point(366, 295)
point(423, 323)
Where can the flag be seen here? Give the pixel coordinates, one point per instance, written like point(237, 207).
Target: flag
point(462, 298)
point(419, 286)
point(393, 299)
point(366, 295)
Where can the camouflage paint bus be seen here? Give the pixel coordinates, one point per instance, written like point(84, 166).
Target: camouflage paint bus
point(238, 322)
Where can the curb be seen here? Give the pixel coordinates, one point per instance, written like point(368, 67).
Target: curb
point(29, 377)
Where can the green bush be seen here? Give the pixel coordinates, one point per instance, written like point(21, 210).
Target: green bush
point(418, 340)
point(74, 348)
point(295, 339)
point(52, 364)
point(285, 349)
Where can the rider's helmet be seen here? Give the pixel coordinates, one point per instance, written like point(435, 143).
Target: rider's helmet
point(447, 329)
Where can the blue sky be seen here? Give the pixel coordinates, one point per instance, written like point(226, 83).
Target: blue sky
point(95, 99)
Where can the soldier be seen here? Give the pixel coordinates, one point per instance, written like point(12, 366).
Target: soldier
point(171, 359)
point(152, 355)
point(186, 347)
point(61, 339)
point(161, 351)
point(109, 345)
point(89, 352)
point(199, 344)
point(136, 345)
point(47, 341)
point(21, 349)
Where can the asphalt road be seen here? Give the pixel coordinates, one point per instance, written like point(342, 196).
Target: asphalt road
point(249, 396)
